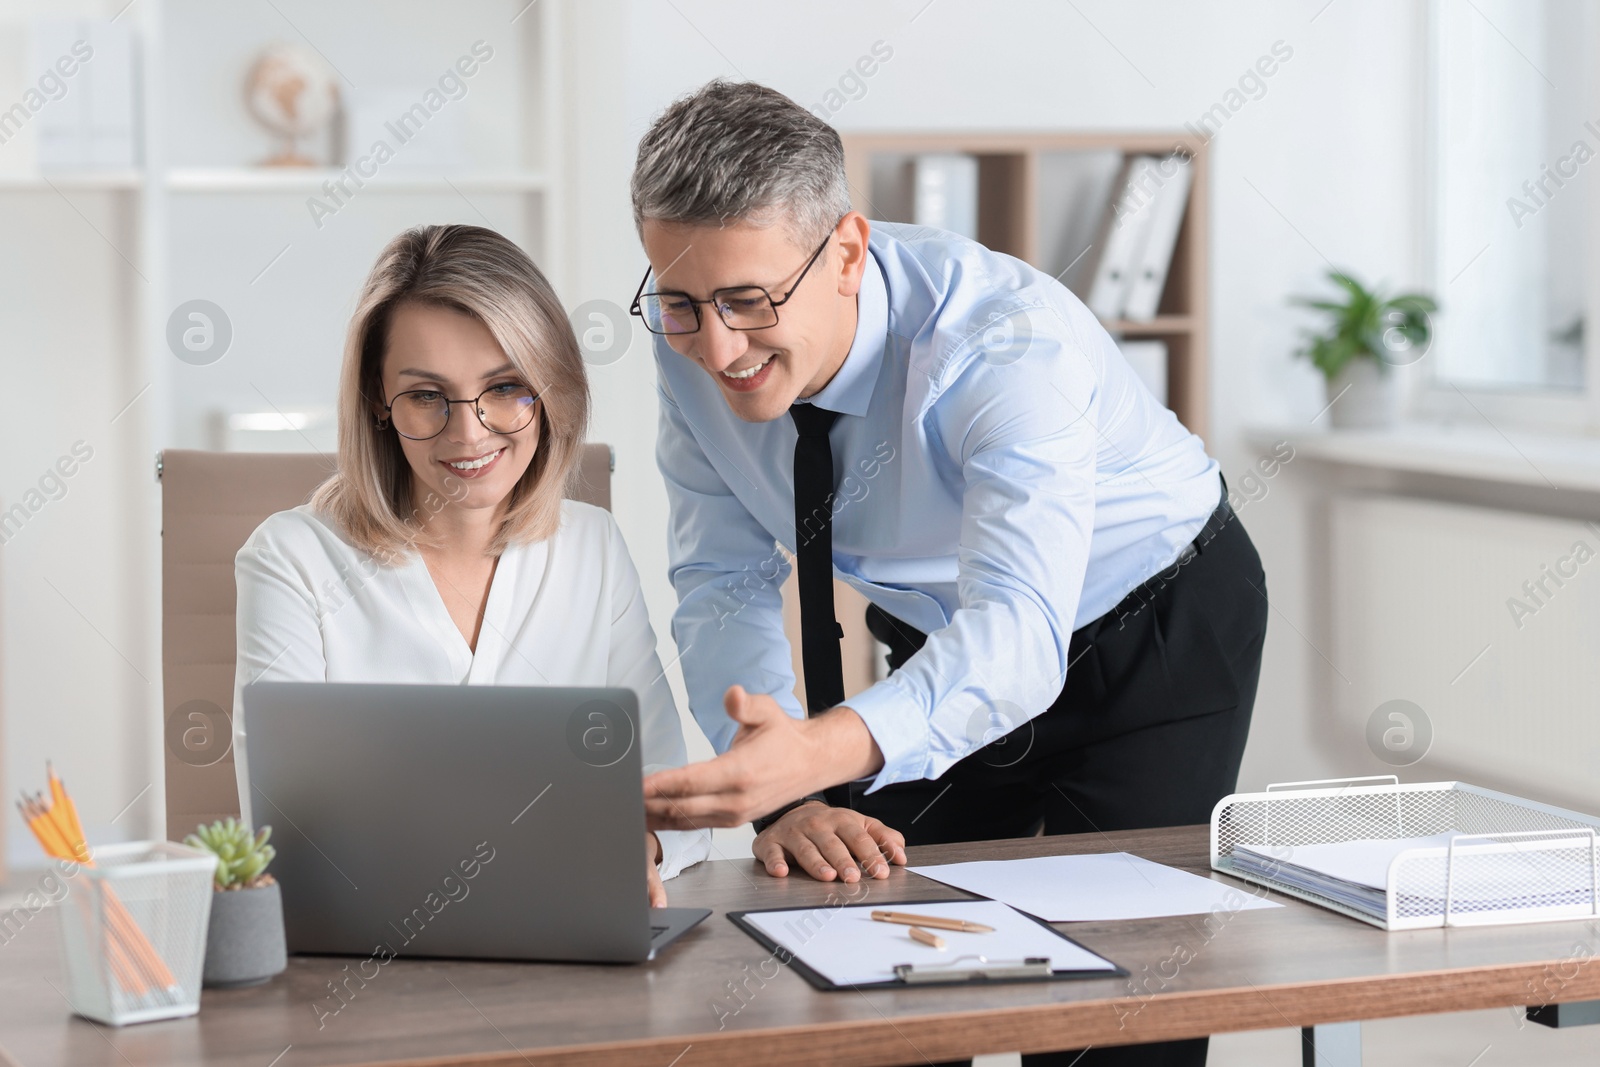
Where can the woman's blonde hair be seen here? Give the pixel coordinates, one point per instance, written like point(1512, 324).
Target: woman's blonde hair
point(476, 271)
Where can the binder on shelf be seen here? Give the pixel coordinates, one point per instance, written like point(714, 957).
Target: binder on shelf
point(944, 192)
point(91, 124)
point(1122, 237)
point(1154, 262)
point(60, 126)
point(112, 97)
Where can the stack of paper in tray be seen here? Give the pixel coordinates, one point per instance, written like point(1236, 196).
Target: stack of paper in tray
point(1510, 875)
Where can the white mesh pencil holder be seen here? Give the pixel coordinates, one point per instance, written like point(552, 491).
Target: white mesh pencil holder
point(1499, 859)
point(133, 927)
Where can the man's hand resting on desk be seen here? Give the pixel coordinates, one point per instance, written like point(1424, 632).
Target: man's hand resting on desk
point(828, 843)
point(773, 760)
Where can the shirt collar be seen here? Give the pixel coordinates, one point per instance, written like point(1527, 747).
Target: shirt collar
point(850, 390)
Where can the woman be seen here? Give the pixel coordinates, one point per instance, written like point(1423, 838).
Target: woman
point(443, 550)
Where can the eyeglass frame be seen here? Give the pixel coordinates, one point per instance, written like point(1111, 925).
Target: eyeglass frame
point(388, 411)
point(635, 309)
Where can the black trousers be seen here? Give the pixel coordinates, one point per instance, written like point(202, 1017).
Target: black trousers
point(1148, 731)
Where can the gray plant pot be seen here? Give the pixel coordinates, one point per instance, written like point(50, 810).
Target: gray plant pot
point(1368, 396)
point(244, 944)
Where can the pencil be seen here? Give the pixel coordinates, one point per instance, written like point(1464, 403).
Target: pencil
point(934, 921)
point(932, 940)
point(133, 960)
point(69, 811)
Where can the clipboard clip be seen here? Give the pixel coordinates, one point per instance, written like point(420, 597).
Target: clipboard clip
point(984, 969)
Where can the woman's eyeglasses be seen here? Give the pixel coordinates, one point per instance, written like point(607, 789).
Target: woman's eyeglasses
point(420, 414)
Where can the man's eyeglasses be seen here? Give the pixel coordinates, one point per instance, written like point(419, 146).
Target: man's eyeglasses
point(421, 414)
point(741, 307)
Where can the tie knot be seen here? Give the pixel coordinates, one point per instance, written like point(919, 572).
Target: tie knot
point(811, 420)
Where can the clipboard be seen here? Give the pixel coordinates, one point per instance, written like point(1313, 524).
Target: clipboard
point(961, 968)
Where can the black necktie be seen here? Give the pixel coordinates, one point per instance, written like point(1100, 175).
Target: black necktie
point(820, 632)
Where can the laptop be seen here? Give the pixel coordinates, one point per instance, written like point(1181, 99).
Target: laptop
point(461, 821)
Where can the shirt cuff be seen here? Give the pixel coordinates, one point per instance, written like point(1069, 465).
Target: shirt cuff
point(682, 849)
point(898, 722)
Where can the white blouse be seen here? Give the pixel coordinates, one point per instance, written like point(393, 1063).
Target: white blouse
point(564, 611)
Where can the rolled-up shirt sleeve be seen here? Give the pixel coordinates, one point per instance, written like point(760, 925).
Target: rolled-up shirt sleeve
point(1023, 433)
point(728, 573)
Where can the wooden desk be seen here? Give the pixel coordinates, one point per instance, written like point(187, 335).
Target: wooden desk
point(1293, 966)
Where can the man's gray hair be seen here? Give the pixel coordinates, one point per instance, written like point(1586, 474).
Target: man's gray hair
point(738, 151)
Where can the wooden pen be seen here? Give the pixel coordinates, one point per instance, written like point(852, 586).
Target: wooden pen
point(908, 919)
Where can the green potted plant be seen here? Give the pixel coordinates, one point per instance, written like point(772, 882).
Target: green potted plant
point(245, 943)
point(1368, 333)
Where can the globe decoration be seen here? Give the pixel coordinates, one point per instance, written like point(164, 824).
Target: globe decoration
point(294, 94)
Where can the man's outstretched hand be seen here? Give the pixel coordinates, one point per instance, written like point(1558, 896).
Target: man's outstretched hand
point(773, 760)
point(829, 843)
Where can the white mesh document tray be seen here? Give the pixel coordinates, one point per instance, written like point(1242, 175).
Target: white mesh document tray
point(1404, 857)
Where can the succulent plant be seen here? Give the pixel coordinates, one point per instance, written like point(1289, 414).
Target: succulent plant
point(241, 857)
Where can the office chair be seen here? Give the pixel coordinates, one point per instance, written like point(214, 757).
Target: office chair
point(210, 503)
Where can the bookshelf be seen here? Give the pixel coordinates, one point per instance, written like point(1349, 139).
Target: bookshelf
point(1041, 197)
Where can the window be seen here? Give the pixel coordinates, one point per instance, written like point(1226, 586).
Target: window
point(1515, 151)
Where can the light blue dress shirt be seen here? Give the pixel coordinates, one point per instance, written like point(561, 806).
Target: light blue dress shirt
point(1003, 477)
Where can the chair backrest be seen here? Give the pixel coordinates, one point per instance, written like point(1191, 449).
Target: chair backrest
point(210, 503)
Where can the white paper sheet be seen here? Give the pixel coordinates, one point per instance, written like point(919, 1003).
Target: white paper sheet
point(1106, 886)
point(1364, 862)
point(846, 946)
point(1514, 874)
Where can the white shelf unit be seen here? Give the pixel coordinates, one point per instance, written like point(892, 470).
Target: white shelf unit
point(197, 220)
point(312, 179)
point(86, 181)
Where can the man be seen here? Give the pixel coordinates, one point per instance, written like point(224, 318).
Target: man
point(1074, 616)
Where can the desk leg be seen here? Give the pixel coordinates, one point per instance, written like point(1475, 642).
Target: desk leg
point(1331, 1045)
point(1578, 1013)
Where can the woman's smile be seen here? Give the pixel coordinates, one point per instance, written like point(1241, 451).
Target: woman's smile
point(475, 466)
